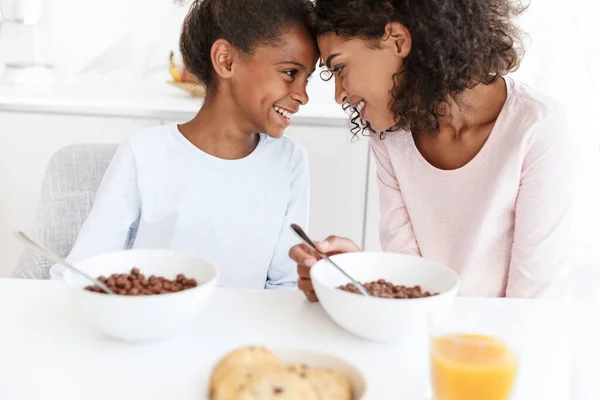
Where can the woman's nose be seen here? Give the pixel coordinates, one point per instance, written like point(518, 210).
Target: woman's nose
point(340, 92)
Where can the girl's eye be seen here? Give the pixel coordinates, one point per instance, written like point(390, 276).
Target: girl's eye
point(291, 72)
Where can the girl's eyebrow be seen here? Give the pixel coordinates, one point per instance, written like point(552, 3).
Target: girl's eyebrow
point(296, 63)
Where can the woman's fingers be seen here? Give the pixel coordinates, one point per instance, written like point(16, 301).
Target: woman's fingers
point(303, 271)
point(305, 285)
point(303, 255)
point(311, 296)
point(337, 245)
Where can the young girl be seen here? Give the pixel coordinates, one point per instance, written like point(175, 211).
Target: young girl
point(475, 170)
point(214, 185)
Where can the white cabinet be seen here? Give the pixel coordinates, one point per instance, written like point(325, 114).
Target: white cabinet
point(338, 175)
point(338, 169)
point(28, 141)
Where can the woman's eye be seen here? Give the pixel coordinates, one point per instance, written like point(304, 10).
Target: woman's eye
point(327, 74)
point(291, 72)
point(338, 70)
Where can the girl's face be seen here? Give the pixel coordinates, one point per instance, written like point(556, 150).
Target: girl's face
point(364, 75)
point(270, 85)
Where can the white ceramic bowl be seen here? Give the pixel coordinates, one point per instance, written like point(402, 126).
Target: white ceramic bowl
point(143, 318)
point(377, 319)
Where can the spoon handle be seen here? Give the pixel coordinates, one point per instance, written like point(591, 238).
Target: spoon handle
point(55, 257)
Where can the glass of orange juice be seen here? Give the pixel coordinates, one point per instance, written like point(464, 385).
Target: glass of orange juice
point(471, 359)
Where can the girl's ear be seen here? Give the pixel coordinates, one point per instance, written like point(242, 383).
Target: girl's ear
point(221, 56)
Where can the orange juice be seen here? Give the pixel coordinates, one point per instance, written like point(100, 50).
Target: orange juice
point(471, 367)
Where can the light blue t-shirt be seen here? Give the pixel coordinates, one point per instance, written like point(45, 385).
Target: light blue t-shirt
point(161, 191)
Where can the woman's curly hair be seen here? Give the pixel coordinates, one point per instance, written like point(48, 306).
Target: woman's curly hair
point(456, 44)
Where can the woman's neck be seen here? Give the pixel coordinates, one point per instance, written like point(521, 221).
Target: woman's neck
point(216, 131)
point(460, 138)
point(475, 108)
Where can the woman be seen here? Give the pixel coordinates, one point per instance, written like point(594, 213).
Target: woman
point(473, 167)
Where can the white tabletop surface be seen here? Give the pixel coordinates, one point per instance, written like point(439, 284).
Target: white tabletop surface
point(47, 352)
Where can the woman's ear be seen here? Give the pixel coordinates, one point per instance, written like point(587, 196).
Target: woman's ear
point(397, 39)
point(221, 56)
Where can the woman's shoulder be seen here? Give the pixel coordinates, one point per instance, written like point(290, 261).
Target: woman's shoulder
point(533, 115)
point(545, 138)
point(394, 141)
point(528, 100)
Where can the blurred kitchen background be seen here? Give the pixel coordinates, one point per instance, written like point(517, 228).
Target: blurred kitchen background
point(83, 71)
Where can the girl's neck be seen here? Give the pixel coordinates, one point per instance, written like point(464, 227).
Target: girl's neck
point(216, 130)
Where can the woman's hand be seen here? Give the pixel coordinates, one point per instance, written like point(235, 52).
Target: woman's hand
point(305, 257)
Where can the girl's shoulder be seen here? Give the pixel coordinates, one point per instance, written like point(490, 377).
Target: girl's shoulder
point(285, 149)
point(154, 136)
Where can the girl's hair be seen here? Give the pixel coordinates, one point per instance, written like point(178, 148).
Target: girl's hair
point(244, 24)
point(456, 44)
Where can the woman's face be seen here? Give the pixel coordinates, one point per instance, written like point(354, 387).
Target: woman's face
point(363, 75)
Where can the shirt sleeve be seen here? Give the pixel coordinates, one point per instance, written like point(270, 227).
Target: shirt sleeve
point(539, 265)
point(282, 271)
point(395, 229)
point(115, 211)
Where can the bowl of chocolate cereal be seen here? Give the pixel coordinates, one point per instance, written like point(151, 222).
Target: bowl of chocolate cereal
point(404, 290)
point(158, 293)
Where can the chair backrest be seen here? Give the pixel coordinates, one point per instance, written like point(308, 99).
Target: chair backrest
point(70, 184)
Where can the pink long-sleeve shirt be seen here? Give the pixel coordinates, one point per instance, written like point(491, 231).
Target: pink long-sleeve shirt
point(502, 221)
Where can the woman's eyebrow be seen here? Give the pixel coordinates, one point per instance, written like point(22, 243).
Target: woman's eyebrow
point(328, 61)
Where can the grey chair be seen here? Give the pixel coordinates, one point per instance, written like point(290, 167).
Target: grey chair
point(70, 184)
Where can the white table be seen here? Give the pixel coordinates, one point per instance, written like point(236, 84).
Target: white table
point(46, 352)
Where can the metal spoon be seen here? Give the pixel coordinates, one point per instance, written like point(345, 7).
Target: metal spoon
point(56, 258)
point(309, 242)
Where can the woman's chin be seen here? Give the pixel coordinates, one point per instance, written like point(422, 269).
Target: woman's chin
point(378, 127)
point(380, 124)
